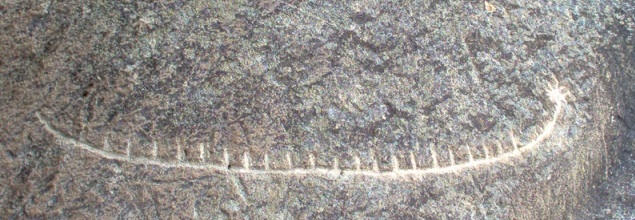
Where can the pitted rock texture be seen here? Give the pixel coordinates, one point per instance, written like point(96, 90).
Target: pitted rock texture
point(325, 78)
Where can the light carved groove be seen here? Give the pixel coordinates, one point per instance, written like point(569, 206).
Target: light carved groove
point(555, 93)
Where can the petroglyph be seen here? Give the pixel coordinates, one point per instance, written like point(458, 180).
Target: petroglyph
point(556, 95)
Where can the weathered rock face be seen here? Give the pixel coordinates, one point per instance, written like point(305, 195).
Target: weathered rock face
point(311, 109)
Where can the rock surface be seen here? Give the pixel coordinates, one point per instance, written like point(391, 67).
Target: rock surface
point(303, 85)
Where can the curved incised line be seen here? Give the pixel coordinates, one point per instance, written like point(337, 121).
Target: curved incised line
point(555, 95)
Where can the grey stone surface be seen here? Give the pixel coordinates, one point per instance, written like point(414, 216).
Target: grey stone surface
point(364, 80)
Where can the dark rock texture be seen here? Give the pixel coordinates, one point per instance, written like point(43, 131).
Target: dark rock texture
point(368, 80)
